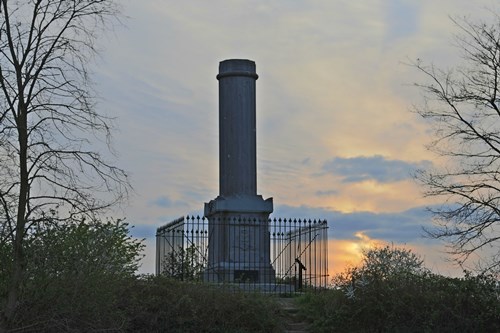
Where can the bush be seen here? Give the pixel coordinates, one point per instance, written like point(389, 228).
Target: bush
point(161, 304)
point(402, 296)
point(81, 278)
point(74, 277)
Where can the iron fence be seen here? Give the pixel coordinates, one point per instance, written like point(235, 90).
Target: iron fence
point(275, 255)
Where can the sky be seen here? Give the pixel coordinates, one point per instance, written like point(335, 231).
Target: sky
point(336, 138)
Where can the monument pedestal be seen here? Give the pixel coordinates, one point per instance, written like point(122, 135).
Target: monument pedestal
point(239, 240)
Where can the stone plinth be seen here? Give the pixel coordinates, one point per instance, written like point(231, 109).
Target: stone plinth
point(239, 240)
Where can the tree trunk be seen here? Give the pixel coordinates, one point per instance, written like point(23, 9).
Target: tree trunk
point(18, 258)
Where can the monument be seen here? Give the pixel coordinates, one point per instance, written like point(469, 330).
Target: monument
point(235, 243)
point(239, 238)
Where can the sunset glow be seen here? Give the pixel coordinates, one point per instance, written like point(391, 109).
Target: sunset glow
point(349, 253)
point(335, 136)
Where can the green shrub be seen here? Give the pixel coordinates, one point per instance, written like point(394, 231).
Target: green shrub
point(160, 304)
point(391, 296)
point(74, 277)
point(81, 278)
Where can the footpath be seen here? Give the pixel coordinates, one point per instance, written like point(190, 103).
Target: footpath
point(294, 323)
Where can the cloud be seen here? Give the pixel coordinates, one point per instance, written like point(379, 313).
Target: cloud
point(402, 18)
point(378, 168)
point(344, 253)
point(327, 193)
point(398, 227)
point(351, 233)
point(330, 85)
point(164, 201)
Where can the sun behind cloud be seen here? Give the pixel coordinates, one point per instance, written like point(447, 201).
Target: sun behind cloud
point(344, 253)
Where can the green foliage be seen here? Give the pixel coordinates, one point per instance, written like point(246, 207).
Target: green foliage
point(75, 275)
point(381, 264)
point(80, 278)
point(83, 249)
point(161, 304)
point(392, 292)
point(388, 261)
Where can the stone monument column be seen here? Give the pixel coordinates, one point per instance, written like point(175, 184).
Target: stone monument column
point(239, 241)
point(237, 128)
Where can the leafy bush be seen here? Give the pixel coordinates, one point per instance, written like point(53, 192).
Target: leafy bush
point(74, 277)
point(161, 304)
point(392, 292)
point(81, 278)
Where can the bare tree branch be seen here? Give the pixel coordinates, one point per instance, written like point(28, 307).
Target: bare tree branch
point(463, 107)
point(48, 169)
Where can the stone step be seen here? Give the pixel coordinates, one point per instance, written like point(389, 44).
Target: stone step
point(293, 321)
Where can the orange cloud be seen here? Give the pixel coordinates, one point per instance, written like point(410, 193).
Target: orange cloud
point(344, 253)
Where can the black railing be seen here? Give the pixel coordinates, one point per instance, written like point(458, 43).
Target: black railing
point(275, 255)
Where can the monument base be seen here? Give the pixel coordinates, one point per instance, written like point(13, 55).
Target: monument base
point(239, 204)
point(240, 273)
point(271, 288)
point(239, 240)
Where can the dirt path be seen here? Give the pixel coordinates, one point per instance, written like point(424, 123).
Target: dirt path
point(294, 323)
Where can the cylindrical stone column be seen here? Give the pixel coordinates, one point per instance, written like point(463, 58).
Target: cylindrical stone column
point(237, 123)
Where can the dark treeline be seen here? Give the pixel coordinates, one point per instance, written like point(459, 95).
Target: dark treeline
point(83, 280)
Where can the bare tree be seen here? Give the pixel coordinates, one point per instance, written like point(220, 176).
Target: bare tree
point(48, 169)
point(185, 264)
point(463, 105)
